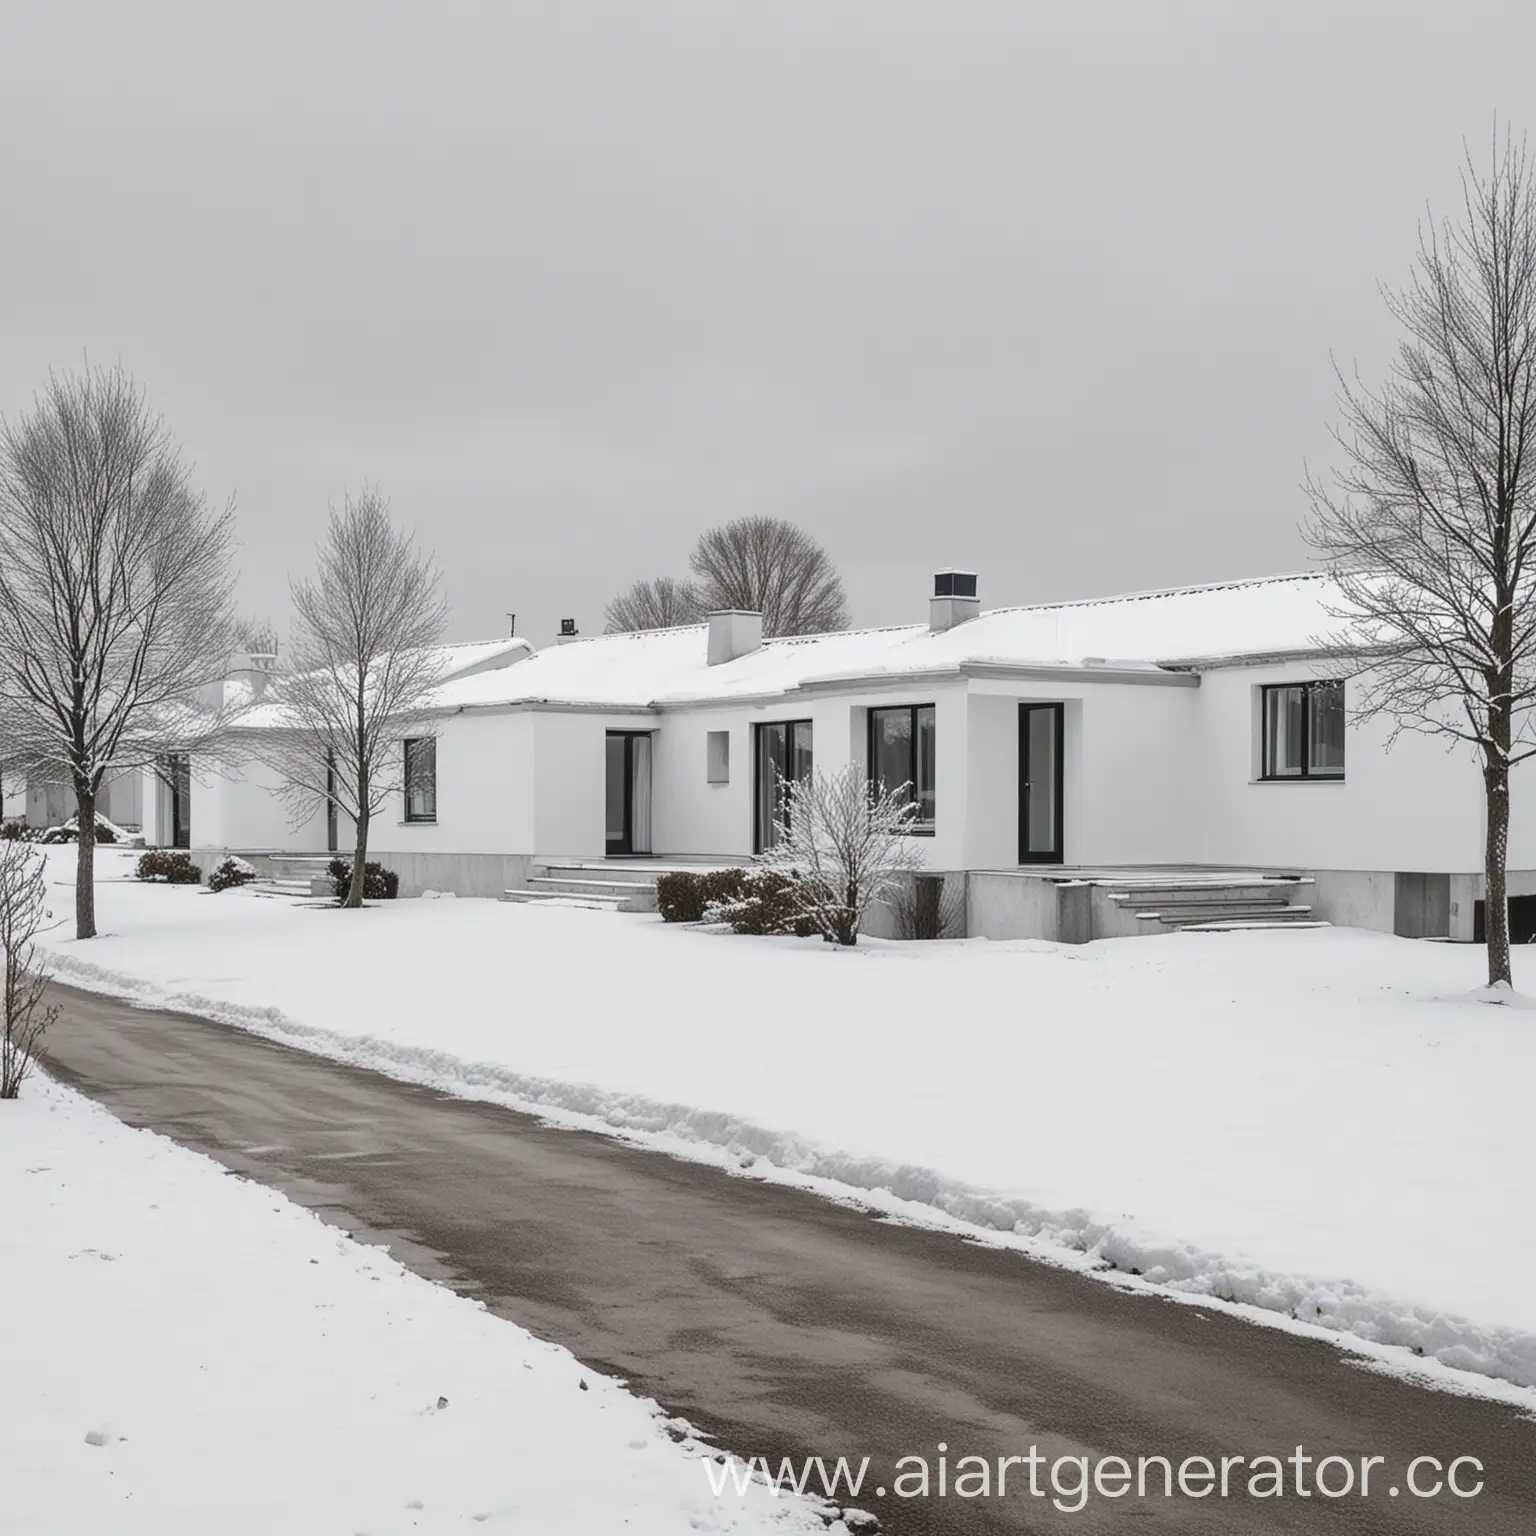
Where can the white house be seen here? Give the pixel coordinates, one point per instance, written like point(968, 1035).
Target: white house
point(1062, 756)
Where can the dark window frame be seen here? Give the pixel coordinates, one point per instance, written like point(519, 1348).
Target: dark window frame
point(916, 829)
point(758, 727)
point(408, 790)
point(1266, 746)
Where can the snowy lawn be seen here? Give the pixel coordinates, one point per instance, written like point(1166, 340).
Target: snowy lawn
point(187, 1352)
point(1320, 1123)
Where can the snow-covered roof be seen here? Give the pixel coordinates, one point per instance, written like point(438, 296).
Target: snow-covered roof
point(1144, 631)
point(457, 663)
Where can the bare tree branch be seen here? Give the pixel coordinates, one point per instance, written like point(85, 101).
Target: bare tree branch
point(363, 671)
point(256, 636)
point(768, 566)
point(114, 595)
point(661, 603)
point(1429, 527)
point(23, 910)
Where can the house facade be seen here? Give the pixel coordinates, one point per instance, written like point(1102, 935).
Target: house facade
point(1195, 728)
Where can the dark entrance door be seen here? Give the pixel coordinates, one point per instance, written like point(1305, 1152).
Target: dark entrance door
point(1040, 783)
point(628, 796)
point(178, 778)
point(331, 838)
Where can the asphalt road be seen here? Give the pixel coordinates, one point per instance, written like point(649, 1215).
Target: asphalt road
point(787, 1325)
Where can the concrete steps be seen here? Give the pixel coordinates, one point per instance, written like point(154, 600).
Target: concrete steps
point(536, 898)
point(601, 887)
point(1217, 902)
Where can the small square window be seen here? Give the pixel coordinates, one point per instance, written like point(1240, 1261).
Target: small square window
point(1303, 725)
point(717, 757)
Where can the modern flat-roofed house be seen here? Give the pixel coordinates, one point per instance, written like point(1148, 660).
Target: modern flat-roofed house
point(1123, 765)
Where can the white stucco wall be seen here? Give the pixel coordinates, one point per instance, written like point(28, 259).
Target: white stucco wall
point(240, 807)
point(1127, 798)
point(570, 780)
point(1416, 807)
point(697, 818)
point(485, 790)
point(692, 816)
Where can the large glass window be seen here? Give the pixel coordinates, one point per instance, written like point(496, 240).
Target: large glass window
point(783, 757)
point(421, 778)
point(1303, 731)
point(901, 756)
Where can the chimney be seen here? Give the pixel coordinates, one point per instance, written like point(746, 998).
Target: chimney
point(954, 600)
point(567, 631)
point(255, 669)
point(734, 632)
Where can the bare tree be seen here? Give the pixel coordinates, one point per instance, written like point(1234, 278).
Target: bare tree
point(1430, 526)
point(842, 840)
point(256, 636)
point(23, 910)
point(661, 603)
point(114, 595)
point(770, 567)
point(363, 670)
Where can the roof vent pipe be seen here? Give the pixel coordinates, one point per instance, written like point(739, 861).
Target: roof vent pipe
point(954, 600)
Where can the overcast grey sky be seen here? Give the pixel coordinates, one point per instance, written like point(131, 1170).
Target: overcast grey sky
point(1044, 290)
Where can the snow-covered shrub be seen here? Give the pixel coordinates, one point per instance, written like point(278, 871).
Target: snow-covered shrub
point(69, 832)
point(13, 832)
point(846, 844)
point(230, 872)
point(685, 895)
point(379, 884)
point(170, 865)
point(678, 897)
point(767, 901)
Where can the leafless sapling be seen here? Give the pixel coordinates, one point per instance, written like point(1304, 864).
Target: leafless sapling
point(1429, 527)
point(114, 595)
point(845, 844)
point(363, 669)
point(24, 1018)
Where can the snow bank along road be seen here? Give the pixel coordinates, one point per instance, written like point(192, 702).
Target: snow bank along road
point(787, 1325)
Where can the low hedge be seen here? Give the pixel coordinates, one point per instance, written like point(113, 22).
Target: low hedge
point(379, 884)
point(684, 895)
point(171, 865)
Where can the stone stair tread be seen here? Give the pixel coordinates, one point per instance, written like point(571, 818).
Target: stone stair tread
point(604, 903)
point(1238, 925)
point(1173, 912)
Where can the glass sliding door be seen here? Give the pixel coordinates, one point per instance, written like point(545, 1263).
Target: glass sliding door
point(627, 792)
point(640, 794)
point(782, 756)
point(1040, 783)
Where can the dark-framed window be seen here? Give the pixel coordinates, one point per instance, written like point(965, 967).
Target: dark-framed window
point(781, 755)
point(1303, 731)
point(421, 778)
point(901, 756)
